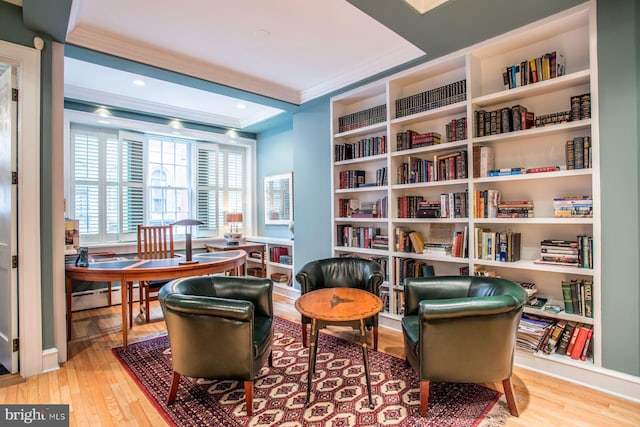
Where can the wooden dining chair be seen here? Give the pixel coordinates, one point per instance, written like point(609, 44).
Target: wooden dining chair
point(154, 242)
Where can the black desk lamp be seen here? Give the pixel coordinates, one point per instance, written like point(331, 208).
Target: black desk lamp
point(188, 250)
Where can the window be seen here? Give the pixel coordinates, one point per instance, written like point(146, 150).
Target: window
point(120, 179)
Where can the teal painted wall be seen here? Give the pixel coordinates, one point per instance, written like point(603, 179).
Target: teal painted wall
point(618, 74)
point(312, 190)
point(274, 152)
point(13, 30)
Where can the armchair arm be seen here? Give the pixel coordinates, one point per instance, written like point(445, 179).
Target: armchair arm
point(310, 277)
point(210, 306)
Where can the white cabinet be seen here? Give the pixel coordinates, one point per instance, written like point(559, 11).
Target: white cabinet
point(433, 101)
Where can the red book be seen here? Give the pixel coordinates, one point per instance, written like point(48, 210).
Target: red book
point(572, 340)
point(581, 339)
point(583, 356)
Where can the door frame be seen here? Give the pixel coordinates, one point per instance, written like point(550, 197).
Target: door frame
point(27, 60)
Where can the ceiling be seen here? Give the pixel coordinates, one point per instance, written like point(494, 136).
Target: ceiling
point(288, 50)
point(199, 58)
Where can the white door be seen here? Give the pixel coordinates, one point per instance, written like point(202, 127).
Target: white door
point(8, 226)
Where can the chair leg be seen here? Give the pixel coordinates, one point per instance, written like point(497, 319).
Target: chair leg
point(424, 397)
point(248, 392)
point(305, 340)
point(375, 338)
point(271, 359)
point(109, 294)
point(147, 314)
point(173, 391)
point(130, 302)
point(511, 397)
point(140, 298)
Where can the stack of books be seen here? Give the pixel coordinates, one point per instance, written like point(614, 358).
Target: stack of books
point(280, 277)
point(515, 209)
point(563, 252)
point(573, 207)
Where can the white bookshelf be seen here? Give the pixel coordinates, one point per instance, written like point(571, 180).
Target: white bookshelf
point(572, 33)
point(286, 289)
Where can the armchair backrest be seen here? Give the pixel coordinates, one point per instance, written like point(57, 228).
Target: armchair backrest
point(341, 272)
point(211, 321)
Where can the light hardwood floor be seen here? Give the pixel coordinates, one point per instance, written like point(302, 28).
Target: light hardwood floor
point(101, 393)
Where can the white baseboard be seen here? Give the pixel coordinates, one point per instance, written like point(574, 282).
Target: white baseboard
point(50, 360)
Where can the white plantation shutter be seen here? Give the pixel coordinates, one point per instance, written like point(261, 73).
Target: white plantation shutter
point(131, 184)
point(89, 180)
point(117, 181)
point(221, 185)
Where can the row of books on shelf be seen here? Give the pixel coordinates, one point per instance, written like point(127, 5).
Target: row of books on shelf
point(503, 120)
point(356, 178)
point(280, 255)
point(517, 117)
point(501, 246)
point(580, 106)
point(409, 139)
point(544, 67)
point(358, 119)
point(360, 237)
point(456, 130)
point(552, 336)
point(579, 153)
point(363, 148)
point(432, 99)
point(354, 208)
point(444, 241)
point(573, 206)
point(574, 253)
point(488, 204)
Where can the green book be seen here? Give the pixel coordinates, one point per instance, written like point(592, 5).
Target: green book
point(566, 296)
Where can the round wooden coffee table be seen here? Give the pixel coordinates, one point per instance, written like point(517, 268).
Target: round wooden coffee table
point(338, 305)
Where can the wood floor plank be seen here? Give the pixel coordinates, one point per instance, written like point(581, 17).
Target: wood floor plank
point(101, 393)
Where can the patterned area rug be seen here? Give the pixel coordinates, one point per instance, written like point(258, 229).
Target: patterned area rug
point(339, 395)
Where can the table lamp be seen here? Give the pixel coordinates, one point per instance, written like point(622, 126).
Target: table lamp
point(233, 237)
point(188, 223)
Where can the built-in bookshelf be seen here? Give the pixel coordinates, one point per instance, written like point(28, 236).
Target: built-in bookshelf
point(484, 161)
point(278, 262)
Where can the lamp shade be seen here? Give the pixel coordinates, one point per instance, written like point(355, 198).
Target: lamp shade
point(188, 222)
point(234, 217)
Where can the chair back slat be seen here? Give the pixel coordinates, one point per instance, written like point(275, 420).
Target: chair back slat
point(155, 241)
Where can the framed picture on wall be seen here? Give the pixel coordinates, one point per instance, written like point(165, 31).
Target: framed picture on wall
point(278, 199)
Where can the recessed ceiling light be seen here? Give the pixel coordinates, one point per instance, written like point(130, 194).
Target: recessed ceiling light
point(175, 124)
point(241, 106)
point(138, 82)
point(424, 6)
point(103, 112)
point(232, 133)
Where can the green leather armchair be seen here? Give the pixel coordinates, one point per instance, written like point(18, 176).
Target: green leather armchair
point(341, 272)
point(219, 328)
point(462, 329)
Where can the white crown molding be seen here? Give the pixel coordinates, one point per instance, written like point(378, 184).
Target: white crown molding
point(113, 44)
point(399, 56)
point(96, 39)
point(135, 104)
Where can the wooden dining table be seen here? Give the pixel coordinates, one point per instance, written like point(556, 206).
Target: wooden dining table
point(127, 271)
